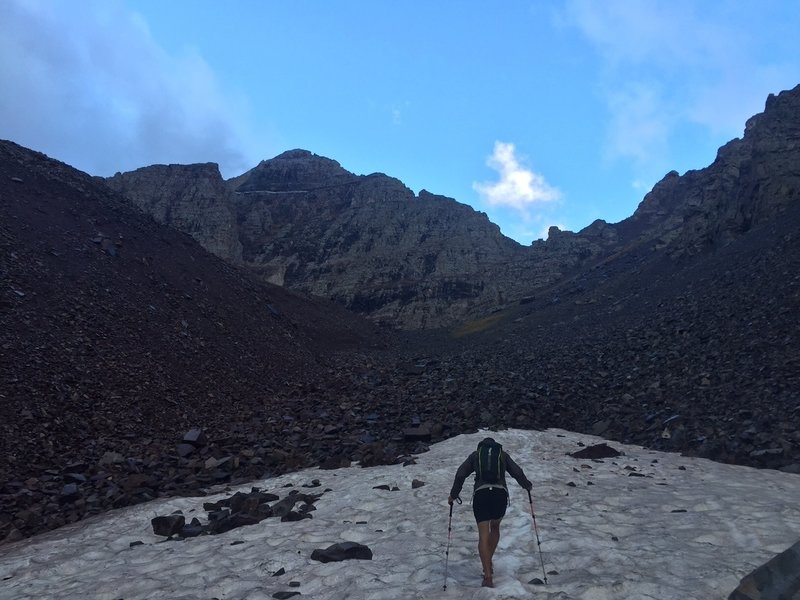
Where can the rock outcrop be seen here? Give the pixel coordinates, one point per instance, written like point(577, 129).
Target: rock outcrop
point(751, 181)
point(191, 198)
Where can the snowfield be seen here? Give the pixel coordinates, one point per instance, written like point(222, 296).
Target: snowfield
point(645, 525)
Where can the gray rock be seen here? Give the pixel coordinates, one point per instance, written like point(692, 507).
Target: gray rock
point(185, 450)
point(69, 493)
point(597, 451)
point(342, 551)
point(195, 437)
point(168, 525)
point(414, 434)
point(777, 579)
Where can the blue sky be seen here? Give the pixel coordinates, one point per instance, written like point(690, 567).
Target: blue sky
point(537, 113)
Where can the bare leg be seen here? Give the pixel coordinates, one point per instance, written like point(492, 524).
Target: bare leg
point(485, 550)
point(494, 539)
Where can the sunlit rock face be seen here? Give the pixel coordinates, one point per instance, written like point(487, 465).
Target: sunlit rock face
point(422, 260)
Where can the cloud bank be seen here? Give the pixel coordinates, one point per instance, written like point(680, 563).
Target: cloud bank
point(86, 83)
point(518, 187)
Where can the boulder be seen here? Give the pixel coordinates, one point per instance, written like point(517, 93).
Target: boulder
point(195, 437)
point(777, 579)
point(342, 551)
point(168, 525)
point(597, 451)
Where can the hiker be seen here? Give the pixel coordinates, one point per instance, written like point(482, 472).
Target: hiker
point(490, 497)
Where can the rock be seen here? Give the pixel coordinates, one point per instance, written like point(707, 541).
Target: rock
point(14, 535)
point(196, 438)
point(284, 507)
point(284, 595)
point(536, 581)
point(185, 450)
point(342, 551)
point(190, 531)
point(69, 493)
point(292, 516)
point(279, 572)
point(168, 525)
point(417, 434)
point(597, 451)
point(335, 462)
point(416, 483)
point(777, 579)
point(136, 481)
point(111, 458)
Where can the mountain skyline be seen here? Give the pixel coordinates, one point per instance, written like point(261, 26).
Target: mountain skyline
point(538, 115)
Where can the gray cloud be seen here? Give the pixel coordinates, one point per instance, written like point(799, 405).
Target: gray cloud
point(86, 83)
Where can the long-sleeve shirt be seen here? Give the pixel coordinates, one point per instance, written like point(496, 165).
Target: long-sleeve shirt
point(471, 466)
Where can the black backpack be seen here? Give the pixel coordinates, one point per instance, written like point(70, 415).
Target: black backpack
point(491, 464)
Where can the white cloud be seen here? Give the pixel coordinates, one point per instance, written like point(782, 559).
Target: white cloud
point(713, 63)
point(640, 124)
point(518, 187)
point(86, 83)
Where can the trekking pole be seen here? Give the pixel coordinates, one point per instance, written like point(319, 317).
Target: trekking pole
point(449, 533)
point(538, 543)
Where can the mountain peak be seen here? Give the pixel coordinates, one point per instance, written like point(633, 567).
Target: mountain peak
point(294, 171)
point(294, 154)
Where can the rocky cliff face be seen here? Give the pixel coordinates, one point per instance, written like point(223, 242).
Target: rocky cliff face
point(191, 198)
point(751, 181)
point(422, 261)
point(368, 242)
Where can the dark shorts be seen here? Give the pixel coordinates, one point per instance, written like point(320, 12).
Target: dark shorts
point(489, 504)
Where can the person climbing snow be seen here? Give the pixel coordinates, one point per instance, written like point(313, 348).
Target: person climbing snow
point(490, 497)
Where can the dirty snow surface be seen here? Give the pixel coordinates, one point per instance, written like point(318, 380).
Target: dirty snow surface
point(642, 525)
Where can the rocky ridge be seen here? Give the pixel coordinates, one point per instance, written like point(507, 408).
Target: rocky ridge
point(424, 261)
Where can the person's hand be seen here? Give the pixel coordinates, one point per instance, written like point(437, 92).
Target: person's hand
point(450, 500)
